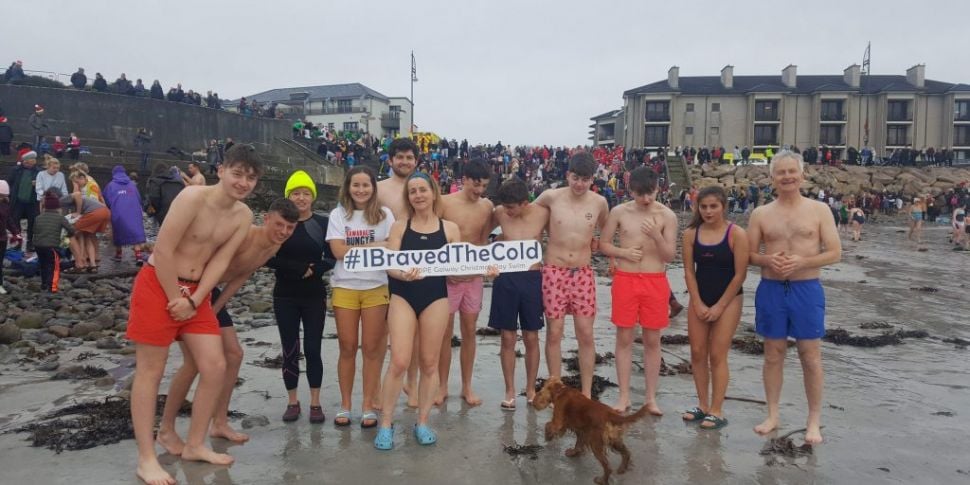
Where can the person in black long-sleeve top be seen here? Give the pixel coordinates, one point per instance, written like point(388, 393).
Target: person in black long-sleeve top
point(300, 295)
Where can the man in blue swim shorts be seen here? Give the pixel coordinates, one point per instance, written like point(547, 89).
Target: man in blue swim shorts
point(799, 237)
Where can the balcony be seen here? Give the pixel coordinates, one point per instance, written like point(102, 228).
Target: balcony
point(899, 118)
point(333, 110)
point(833, 117)
point(658, 117)
point(961, 117)
point(391, 121)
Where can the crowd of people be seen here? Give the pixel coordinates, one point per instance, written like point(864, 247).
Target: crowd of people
point(820, 155)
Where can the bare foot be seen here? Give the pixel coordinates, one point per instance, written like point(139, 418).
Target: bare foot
point(471, 398)
point(440, 398)
point(413, 399)
point(813, 434)
point(152, 473)
point(205, 454)
point(622, 406)
point(223, 430)
point(768, 425)
point(170, 440)
point(653, 409)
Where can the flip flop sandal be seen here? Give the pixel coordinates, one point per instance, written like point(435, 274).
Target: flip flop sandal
point(384, 439)
point(508, 405)
point(718, 423)
point(424, 434)
point(695, 415)
point(368, 416)
point(342, 418)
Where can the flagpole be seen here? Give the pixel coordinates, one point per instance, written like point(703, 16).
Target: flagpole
point(414, 77)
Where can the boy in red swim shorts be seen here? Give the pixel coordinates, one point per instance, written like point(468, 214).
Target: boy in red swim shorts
point(170, 299)
point(648, 238)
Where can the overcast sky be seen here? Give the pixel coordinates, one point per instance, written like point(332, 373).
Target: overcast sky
point(523, 72)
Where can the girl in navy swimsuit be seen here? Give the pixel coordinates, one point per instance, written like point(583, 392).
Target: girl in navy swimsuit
point(715, 264)
point(417, 302)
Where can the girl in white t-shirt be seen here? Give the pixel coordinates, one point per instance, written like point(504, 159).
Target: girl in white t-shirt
point(359, 299)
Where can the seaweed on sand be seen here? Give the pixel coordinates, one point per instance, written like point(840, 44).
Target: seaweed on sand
point(841, 336)
point(600, 384)
point(572, 363)
point(677, 339)
point(78, 372)
point(515, 449)
point(488, 332)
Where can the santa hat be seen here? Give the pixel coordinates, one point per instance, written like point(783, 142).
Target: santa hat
point(51, 202)
point(38, 107)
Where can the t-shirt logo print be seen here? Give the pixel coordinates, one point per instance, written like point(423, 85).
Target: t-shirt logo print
point(359, 237)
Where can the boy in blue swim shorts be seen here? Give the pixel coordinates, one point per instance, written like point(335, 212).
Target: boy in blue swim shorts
point(791, 239)
point(517, 297)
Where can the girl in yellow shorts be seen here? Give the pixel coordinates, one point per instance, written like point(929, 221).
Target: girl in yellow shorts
point(359, 299)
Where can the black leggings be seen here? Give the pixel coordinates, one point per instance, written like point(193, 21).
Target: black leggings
point(289, 313)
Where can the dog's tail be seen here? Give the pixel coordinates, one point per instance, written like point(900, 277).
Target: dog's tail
point(621, 420)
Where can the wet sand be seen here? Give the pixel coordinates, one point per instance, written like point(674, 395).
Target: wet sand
point(878, 411)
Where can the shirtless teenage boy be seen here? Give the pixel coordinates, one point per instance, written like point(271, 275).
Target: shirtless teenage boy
point(517, 297)
point(194, 177)
point(799, 237)
point(568, 283)
point(170, 299)
point(261, 243)
point(640, 291)
point(473, 215)
point(402, 156)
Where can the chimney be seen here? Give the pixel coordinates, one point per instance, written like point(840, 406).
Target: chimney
point(789, 76)
point(916, 75)
point(673, 77)
point(852, 75)
point(727, 77)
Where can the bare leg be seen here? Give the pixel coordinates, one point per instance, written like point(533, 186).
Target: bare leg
point(411, 388)
point(587, 352)
point(468, 344)
point(77, 249)
point(810, 354)
point(444, 361)
point(220, 419)
point(720, 343)
point(210, 359)
point(348, 336)
point(149, 367)
point(651, 374)
point(178, 389)
point(92, 248)
point(773, 375)
point(698, 332)
point(402, 326)
point(554, 328)
point(624, 364)
point(432, 323)
point(507, 357)
point(374, 337)
point(531, 339)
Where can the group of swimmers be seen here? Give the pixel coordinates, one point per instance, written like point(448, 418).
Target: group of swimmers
point(415, 312)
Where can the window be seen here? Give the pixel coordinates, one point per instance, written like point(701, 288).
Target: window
point(715, 131)
point(961, 136)
point(329, 126)
point(689, 130)
point(766, 110)
point(715, 107)
point(961, 110)
point(350, 126)
point(345, 105)
point(831, 135)
point(394, 108)
point(766, 135)
point(897, 136)
point(658, 111)
point(832, 111)
point(690, 107)
point(899, 111)
point(656, 136)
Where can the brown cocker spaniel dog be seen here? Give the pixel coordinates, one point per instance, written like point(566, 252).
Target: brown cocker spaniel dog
point(596, 425)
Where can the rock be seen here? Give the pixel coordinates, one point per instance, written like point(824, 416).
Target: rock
point(260, 306)
point(250, 422)
point(70, 342)
point(81, 281)
point(262, 323)
point(105, 381)
point(121, 326)
point(105, 320)
point(84, 328)
point(81, 294)
point(9, 333)
point(107, 343)
point(59, 331)
point(50, 364)
point(130, 350)
point(40, 336)
point(31, 320)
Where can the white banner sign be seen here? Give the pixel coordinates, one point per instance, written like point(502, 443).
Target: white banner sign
point(451, 259)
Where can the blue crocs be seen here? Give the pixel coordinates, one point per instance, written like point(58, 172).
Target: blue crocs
point(384, 439)
point(424, 434)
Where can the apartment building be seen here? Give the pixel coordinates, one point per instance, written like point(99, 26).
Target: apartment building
point(883, 112)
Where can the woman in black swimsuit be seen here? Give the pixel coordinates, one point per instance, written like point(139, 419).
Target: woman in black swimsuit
point(858, 217)
point(417, 302)
point(715, 264)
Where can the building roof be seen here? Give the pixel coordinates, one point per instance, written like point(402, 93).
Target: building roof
point(807, 84)
point(608, 114)
point(332, 91)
